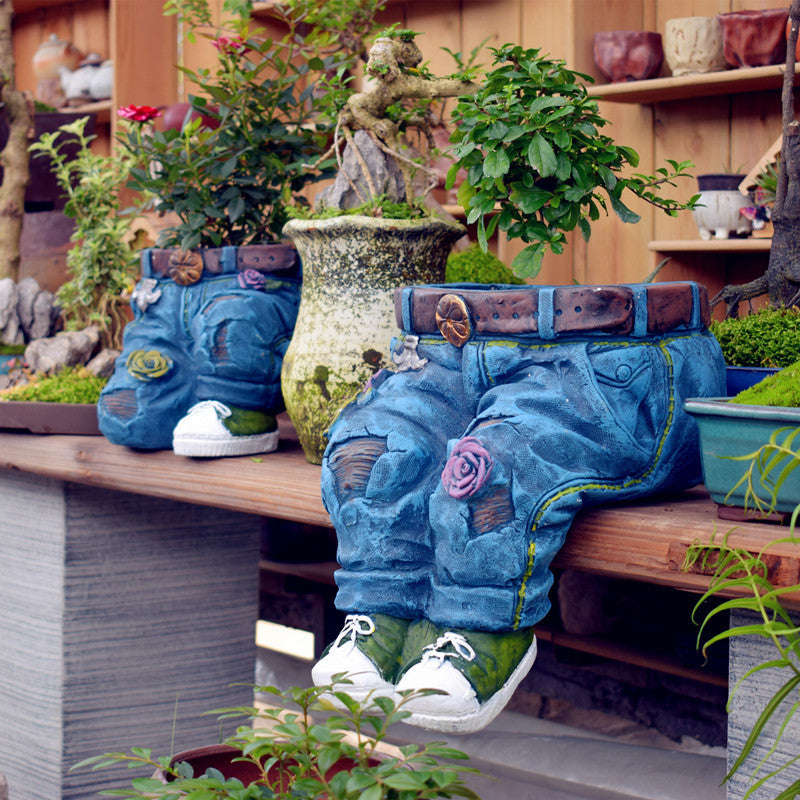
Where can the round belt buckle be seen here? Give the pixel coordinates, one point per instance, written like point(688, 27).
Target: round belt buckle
point(185, 267)
point(452, 319)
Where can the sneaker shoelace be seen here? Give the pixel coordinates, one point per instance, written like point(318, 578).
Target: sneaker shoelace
point(355, 625)
point(221, 409)
point(461, 648)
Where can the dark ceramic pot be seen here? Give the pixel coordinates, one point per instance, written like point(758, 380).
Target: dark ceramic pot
point(628, 55)
point(754, 38)
point(43, 192)
point(737, 379)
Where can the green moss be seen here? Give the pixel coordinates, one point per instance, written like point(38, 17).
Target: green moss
point(474, 266)
point(767, 338)
point(12, 349)
point(377, 207)
point(781, 389)
point(71, 385)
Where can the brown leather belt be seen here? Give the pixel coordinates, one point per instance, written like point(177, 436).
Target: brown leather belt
point(189, 266)
point(460, 311)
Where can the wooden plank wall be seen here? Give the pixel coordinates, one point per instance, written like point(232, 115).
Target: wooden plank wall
point(713, 132)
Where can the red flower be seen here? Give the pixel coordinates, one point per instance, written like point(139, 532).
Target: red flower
point(138, 113)
point(230, 44)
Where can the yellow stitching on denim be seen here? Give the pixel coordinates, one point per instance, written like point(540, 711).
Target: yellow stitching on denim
point(609, 487)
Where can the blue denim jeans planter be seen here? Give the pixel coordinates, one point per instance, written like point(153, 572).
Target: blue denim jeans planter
point(210, 327)
point(452, 483)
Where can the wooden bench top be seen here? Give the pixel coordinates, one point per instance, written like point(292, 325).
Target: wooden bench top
point(643, 541)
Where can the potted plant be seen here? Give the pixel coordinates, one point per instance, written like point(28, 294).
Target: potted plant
point(288, 750)
point(757, 345)
point(218, 298)
point(370, 232)
point(746, 442)
point(538, 165)
point(101, 263)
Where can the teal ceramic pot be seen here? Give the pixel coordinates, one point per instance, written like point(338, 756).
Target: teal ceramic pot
point(728, 430)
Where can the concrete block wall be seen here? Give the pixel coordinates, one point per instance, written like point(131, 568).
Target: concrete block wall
point(123, 619)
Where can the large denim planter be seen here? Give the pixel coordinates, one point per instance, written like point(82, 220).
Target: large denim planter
point(728, 430)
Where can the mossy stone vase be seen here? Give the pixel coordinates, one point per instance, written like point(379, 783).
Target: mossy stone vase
point(351, 266)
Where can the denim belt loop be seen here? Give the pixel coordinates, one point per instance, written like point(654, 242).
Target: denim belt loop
point(228, 258)
point(404, 298)
point(640, 311)
point(147, 263)
point(697, 312)
point(545, 317)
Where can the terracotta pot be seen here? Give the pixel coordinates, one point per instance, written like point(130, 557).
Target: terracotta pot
point(628, 55)
point(222, 757)
point(693, 45)
point(754, 38)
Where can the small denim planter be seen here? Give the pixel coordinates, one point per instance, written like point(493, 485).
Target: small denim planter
point(728, 430)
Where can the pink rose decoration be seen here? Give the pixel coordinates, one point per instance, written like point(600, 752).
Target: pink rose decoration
point(251, 279)
point(467, 469)
point(138, 113)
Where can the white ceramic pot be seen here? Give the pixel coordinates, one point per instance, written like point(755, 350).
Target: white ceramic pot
point(693, 45)
point(718, 213)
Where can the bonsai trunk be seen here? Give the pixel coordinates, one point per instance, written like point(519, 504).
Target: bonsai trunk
point(781, 281)
point(14, 156)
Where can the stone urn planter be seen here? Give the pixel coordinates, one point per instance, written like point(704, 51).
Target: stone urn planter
point(693, 45)
point(351, 266)
point(628, 55)
point(754, 38)
point(718, 214)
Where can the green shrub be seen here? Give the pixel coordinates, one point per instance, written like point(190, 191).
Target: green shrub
point(767, 338)
point(474, 266)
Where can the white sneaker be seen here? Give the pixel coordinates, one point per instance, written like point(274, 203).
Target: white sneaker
point(474, 688)
point(366, 652)
point(211, 429)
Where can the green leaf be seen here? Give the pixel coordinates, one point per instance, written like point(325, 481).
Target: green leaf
point(528, 262)
point(404, 781)
point(496, 163)
point(541, 156)
point(621, 210)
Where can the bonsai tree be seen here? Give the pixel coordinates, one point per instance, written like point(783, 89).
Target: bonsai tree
point(14, 156)
point(781, 280)
point(531, 144)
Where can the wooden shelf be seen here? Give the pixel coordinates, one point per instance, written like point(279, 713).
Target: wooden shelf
point(713, 246)
point(644, 541)
point(660, 90)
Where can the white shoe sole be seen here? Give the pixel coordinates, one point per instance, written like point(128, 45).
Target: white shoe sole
point(470, 722)
point(215, 446)
point(366, 681)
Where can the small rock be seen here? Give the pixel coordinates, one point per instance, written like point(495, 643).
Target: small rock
point(8, 301)
point(102, 365)
point(65, 349)
point(27, 291)
point(384, 174)
point(42, 316)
